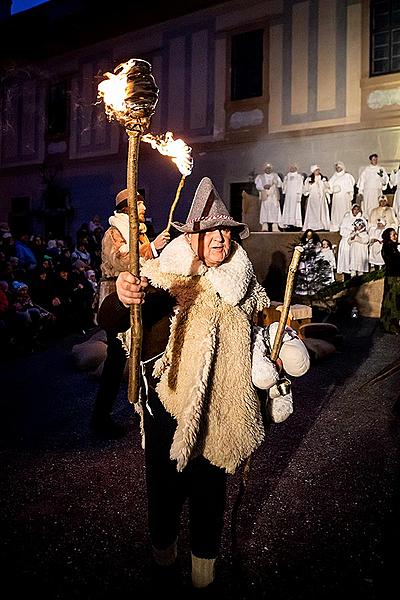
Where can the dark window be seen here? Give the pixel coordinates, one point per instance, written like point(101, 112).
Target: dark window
point(385, 37)
point(247, 65)
point(57, 115)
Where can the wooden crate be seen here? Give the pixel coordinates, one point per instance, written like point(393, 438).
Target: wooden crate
point(299, 314)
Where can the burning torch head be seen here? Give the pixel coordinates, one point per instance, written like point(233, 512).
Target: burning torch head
point(130, 93)
point(141, 93)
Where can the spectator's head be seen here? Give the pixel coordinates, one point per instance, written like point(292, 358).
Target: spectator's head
point(373, 159)
point(325, 243)
point(389, 236)
point(79, 266)
point(268, 168)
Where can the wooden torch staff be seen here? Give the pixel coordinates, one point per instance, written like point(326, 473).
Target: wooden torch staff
point(171, 212)
point(134, 264)
point(286, 302)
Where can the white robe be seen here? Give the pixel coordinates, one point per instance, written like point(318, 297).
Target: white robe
point(270, 210)
point(346, 228)
point(358, 242)
point(395, 182)
point(371, 185)
point(329, 256)
point(375, 248)
point(383, 212)
point(293, 189)
point(317, 211)
point(341, 185)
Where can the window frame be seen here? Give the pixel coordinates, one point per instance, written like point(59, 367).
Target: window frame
point(372, 35)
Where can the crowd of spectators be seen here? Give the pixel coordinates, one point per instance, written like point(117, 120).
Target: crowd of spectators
point(48, 286)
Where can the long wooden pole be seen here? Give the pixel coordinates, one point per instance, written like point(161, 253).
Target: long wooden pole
point(175, 202)
point(134, 265)
point(286, 302)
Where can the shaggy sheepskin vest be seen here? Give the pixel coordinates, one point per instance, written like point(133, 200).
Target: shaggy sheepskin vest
point(205, 372)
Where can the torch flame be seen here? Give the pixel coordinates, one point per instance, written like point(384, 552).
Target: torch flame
point(112, 91)
point(177, 150)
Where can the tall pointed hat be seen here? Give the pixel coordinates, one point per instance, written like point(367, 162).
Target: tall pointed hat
point(209, 211)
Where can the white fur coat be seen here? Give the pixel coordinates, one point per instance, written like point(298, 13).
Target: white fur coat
point(205, 372)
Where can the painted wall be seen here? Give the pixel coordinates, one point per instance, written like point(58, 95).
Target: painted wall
point(318, 106)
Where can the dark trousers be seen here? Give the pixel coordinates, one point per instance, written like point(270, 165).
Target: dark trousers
point(203, 484)
point(111, 376)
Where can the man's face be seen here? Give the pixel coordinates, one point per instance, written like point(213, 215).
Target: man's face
point(355, 210)
point(338, 168)
point(292, 169)
point(383, 202)
point(212, 247)
point(141, 208)
point(268, 169)
point(317, 172)
point(374, 160)
point(393, 236)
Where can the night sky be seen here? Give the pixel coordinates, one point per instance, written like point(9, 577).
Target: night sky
point(20, 5)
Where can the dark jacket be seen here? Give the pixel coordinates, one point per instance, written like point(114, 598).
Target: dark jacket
point(113, 316)
point(391, 256)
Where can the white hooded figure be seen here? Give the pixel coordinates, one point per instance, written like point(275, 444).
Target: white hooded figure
point(346, 228)
point(341, 185)
point(395, 182)
point(268, 185)
point(293, 189)
point(358, 241)
point(375, 243)
point(316, 187)
point(372, 182)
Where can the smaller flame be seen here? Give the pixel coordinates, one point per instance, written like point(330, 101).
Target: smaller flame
point(112, 90)
point(177, 150)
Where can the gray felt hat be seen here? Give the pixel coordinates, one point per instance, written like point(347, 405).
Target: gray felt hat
point(208, 211)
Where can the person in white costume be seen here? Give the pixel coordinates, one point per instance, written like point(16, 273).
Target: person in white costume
point(383, 211)
point(346, 228)
point(293, 189)
point(341, 185)
point(316, 187)
point(395, 182)
point(371, 183)
point(358, 241)
point(328, 254)
point(375, 244)
point(268, 185)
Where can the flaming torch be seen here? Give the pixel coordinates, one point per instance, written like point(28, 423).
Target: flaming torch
point(180, 154)
point(130, 96)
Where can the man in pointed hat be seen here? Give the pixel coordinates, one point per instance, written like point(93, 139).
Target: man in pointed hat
point(115, 259)
point(202, 416)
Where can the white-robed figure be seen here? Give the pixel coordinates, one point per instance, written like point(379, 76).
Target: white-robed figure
point(375, 244)
point(316, 188)
point(292, 188)
point(329, 255)
point(383, 211)
point(341, 186)
point(359, 241)
point(371, 183)
point(268, 185)
point(395, 182)
point(346, 228)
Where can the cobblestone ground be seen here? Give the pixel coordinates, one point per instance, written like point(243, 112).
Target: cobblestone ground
point(319, 515)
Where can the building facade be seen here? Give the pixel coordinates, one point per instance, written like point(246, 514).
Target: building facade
point(242, 82)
